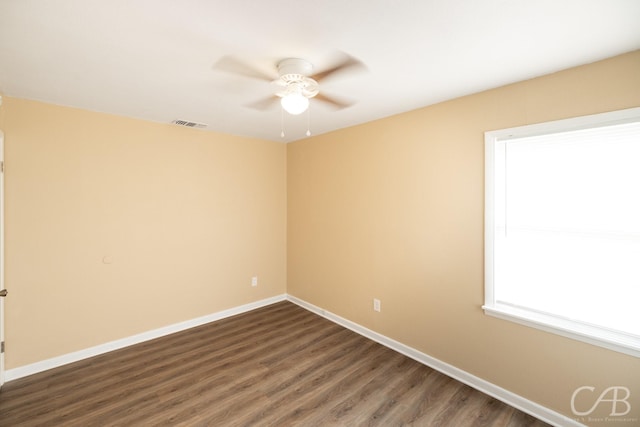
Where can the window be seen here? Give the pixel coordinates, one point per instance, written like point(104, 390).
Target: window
point(562, 227)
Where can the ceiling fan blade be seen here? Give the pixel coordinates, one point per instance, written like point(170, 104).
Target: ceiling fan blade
point(337, 104)
point(264, 104)
point(233, 65)
point(342, 62)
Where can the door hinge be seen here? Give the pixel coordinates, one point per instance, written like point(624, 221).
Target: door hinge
point(2, 347)
point(2, 167)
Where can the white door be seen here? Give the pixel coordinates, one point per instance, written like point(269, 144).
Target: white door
point(2, 291)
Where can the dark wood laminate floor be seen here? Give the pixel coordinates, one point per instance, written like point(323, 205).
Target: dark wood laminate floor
point(276, 366)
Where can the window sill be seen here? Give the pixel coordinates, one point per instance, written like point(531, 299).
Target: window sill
point(612, 340)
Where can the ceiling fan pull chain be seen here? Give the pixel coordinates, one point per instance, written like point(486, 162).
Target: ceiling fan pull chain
point(308, 121)
point(281, 122)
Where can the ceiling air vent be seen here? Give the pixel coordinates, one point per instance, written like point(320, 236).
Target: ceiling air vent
point(189, 124)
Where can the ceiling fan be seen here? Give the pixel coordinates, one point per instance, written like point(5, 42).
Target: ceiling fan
point(295, 84)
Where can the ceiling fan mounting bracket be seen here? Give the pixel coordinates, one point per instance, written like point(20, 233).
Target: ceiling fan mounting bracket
point(294, 67)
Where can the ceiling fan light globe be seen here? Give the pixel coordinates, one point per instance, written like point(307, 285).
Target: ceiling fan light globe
point(295, 103)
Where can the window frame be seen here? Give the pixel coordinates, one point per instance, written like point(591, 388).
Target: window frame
point(593, 334)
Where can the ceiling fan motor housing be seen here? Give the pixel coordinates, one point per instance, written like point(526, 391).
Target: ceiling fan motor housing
point(293, 76)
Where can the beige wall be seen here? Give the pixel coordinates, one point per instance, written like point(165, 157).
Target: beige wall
point(186, 217)
point(393, 210)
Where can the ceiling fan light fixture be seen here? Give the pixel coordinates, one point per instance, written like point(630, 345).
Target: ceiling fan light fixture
point(295, 103)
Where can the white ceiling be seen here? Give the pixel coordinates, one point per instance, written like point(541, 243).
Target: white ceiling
point(154, 59)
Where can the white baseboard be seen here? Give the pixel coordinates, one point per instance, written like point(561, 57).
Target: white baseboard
point(545, 414)
point(23, 371)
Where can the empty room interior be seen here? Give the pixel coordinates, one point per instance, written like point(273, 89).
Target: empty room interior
point(329, 266)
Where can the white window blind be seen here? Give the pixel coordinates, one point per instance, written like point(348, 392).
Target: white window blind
point(563, 227)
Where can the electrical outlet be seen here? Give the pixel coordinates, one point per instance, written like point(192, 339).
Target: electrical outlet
point(254, 281)
point(376, 304)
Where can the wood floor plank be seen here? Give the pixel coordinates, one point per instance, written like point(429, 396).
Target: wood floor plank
point(279, 365)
